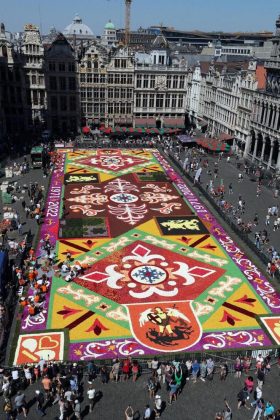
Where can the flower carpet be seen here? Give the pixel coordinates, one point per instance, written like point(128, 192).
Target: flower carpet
point(162, 275)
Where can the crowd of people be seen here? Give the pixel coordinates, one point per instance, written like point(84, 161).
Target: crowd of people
point(75, 388)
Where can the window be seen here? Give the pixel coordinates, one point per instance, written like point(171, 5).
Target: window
point(139, 81)
point(96, 93)
point(152, 101)
point(145, 100)
point(35, 97)
point(111, 79)
point(95, 65)
point(53, 84)
point(51, 66)
point(138, 100)
point(123, 79)
point(96, 109)
point(102, 93)
point(123, 64)
point(175, 82)
point(182, 82)
point(83, 78)
point(117, 79)
point(159, 101)
point(33, 80)
point(167, 100)
point(152, 82)
point(117, 93)
point(72, 83)
point(174, 101)
point(89, 64)
point(123, 110)
point(117, 108)
point(53, 103)
point(63, 103)
point(41, 80)
point(89, 93)
point(89, 78)
point(110, 93)
point(42, 97)
point(96, 78)
point(161, 59)
point(129, 79)
point(180, 101)
point(62, 83)
point(102, 78)
point(61, 66)
point(129, 93)
point(168, 82)
point(128, 108)
point(146, 81)
point(83, 93)
point(72, 103)
point(71, 67)
point(117, 64)
point(110, 108)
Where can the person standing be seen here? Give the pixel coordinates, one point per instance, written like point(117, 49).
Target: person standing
point(91, 396)
point(230, 189)
point(8, 409)
point(158, 406)
point(129, 413)
point(147, 413)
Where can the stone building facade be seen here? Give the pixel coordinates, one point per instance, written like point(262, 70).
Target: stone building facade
point(32, 51)
point(263, 145)
point(63, 93)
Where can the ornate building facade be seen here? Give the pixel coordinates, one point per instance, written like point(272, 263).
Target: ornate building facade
point(263, 145)
point(33, 66)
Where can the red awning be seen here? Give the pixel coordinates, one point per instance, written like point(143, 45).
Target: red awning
point(86, 130)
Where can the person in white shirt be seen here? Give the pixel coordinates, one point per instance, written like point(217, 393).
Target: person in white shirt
point(158, 404)
point(91, 395)
point(148, 413)
point(15, 375)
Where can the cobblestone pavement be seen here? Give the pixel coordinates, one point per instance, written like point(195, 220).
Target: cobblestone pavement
point(198, 401)
point(228, 172)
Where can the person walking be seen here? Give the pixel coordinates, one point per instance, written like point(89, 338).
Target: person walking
point(147, 413)
point(259, 409)
point(230, 189)
point(91, 397)
point(40, 402)
point(77, 410)
point(20, 403)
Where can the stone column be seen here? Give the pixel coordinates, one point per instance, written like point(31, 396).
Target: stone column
point(271, 152)
point(276, 119)
point(247, 145)
point(267, 116)
point(255, 149)
point(263, 147)
point(278, 158)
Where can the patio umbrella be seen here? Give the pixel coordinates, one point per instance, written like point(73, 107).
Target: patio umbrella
point(86, 130)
